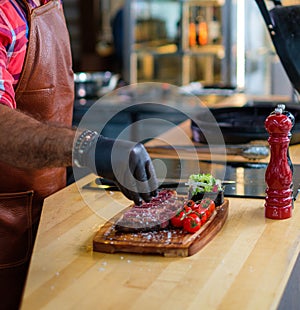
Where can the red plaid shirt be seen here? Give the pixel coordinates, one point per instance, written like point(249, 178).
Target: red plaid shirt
point(13, 43)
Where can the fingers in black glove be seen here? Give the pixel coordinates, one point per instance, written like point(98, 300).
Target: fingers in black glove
point(143, 171)
point(127, 164)
point(138, 182)
point(130, 194)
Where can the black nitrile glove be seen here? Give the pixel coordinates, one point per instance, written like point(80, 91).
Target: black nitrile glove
point(127, 164)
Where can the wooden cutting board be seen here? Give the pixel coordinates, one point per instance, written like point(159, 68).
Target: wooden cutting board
point(168, 242)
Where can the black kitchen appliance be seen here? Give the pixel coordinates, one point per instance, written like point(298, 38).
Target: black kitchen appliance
point(283, 24)
point(240, 124)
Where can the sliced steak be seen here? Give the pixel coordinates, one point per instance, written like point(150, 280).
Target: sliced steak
point(154, 215)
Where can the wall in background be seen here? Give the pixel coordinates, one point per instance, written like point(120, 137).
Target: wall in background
point(72, 14)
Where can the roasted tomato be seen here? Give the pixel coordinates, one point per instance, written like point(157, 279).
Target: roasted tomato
point(192, 223)
point(177, 220)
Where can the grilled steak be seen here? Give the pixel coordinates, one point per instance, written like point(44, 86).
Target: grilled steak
point(154, 215)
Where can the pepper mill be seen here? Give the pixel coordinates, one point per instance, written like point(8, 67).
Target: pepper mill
point(292, 118)
point(279, 175)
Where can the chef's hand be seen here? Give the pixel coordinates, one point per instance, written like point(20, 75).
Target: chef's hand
point(127, 164)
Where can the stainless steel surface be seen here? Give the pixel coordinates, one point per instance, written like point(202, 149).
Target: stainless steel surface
point(247, 151)
point(245, 180)
point(255, 152)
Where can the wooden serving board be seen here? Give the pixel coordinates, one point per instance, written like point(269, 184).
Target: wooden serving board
point(167, 242)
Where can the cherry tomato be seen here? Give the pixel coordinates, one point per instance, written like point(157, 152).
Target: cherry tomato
point(212, 206)
point(207, 211)
point(208, 205)
point(192, 223)
point(187, 209)
point(190, 203)
point(197, 208)
point(177, 220)
point(203, 217)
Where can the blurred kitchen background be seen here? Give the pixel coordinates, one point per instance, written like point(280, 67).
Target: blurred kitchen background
point(215, 49)
point(157, 40)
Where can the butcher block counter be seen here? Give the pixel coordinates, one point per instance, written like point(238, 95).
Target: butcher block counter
point(247, 265)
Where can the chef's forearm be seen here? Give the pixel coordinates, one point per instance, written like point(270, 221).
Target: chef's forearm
point(28, 143)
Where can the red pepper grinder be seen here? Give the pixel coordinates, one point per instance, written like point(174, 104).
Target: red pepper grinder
point(279, 175)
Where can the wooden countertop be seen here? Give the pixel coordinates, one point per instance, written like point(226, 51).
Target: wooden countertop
point(246, 266)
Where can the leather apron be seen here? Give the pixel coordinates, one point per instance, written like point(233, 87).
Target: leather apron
point(46, 92)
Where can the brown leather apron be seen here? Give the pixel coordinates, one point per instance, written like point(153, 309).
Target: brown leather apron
point(45, 91)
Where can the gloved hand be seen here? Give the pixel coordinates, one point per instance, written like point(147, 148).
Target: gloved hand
point(127, 164)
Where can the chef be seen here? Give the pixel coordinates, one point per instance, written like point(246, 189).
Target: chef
point(36, 139)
